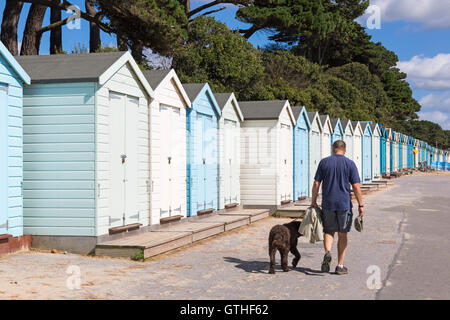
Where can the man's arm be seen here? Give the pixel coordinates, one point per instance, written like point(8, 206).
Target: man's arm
point(315, 193)
point(358, 195)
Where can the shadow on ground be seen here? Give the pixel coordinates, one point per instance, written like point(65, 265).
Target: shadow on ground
point(263, 267)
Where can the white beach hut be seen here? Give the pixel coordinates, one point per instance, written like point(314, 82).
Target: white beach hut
point(314, 145)
point(266, 153)
point(376, 154)
point(327, 130)
point(229, 149)
point(357, 146)
point(348, 137)
point(168, 145)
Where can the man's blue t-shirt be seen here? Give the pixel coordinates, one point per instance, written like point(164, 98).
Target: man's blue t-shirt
point(337, 173)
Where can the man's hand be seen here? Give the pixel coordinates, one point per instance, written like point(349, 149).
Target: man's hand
point(315, 193)
point(361, 212)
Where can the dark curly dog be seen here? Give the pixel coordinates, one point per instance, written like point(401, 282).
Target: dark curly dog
point(284, 238)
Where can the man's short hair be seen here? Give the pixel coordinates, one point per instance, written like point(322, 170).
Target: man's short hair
point(339, 145)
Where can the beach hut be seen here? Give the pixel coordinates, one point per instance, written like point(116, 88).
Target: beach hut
point(397, 153)
point(327, 130)
point(86, 148)
point(416, 153)
point(314, 146)
point(266, 153)
point(440, 155)
point(348, 137)
point(338, 130)
point(357, 146)
point(422, 151)
point(376, 154)
point(301, 153)
point(431, 156)
point(366, 153)
point(382, 149)
point(12, 80)
point(202, 149)
point(411, 152)
point(388, 150)
point(400, 151)
point(229, 149)
point(405, 150)
point(167, 145)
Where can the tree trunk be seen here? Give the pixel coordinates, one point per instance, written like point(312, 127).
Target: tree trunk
point(56, 33)
point(187, 6)
point(121, 43)
point(137, 52)
point(31, 36)
point(94, 31)
point(11, 16)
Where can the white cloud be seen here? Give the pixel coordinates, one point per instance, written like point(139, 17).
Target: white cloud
point(428, 73)
point(431, 14)
point(437, 101)
point(438, 117)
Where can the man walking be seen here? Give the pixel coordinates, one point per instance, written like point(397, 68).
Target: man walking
point(336, 173)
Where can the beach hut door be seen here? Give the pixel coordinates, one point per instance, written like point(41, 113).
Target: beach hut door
point(229, 165)
point(285, 173)
point(170, 200)
point(205, 154)
point(123, 134)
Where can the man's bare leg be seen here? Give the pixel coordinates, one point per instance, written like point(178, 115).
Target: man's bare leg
point(342, 247)
point(328, 242)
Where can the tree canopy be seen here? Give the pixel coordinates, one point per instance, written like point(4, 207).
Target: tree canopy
point(322, 58)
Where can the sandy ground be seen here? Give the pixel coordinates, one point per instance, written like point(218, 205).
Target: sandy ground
point(229, 266)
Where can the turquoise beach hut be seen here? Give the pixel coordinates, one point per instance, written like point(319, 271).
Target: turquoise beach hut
point(12, 79)
point(301, 153)
point(86, 148)
point(202, 149)
point(338, 131)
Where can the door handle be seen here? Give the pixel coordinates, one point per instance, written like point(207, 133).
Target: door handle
point(123, 157)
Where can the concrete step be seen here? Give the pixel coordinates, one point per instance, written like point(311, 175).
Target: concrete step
point(230, 221)
point(145, 245)
point(292, 211)
point(253, 214)
point(159, 239)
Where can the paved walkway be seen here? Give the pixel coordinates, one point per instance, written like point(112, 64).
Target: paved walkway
point(234, 265)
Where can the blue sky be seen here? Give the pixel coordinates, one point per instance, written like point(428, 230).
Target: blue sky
point(417, 30)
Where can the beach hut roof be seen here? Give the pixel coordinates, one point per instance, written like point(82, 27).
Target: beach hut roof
point(86, 67)
point(18, 69)
point(264, 110)
point(224, 98)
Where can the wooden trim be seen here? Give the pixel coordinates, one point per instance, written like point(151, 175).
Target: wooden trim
point(203, 212)
point(127, 228)
point(231, 205)
point(170, 219)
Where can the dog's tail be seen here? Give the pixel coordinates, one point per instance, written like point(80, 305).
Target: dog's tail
point(278, 241)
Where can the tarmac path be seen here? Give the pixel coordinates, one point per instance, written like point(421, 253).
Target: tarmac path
point(403, 250)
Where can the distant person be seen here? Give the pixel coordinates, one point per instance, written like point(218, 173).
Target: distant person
point(336, 173)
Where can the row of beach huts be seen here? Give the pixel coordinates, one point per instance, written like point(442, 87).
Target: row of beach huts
point(89, 143)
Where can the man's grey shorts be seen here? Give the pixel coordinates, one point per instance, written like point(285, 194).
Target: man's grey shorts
point(337, 221)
